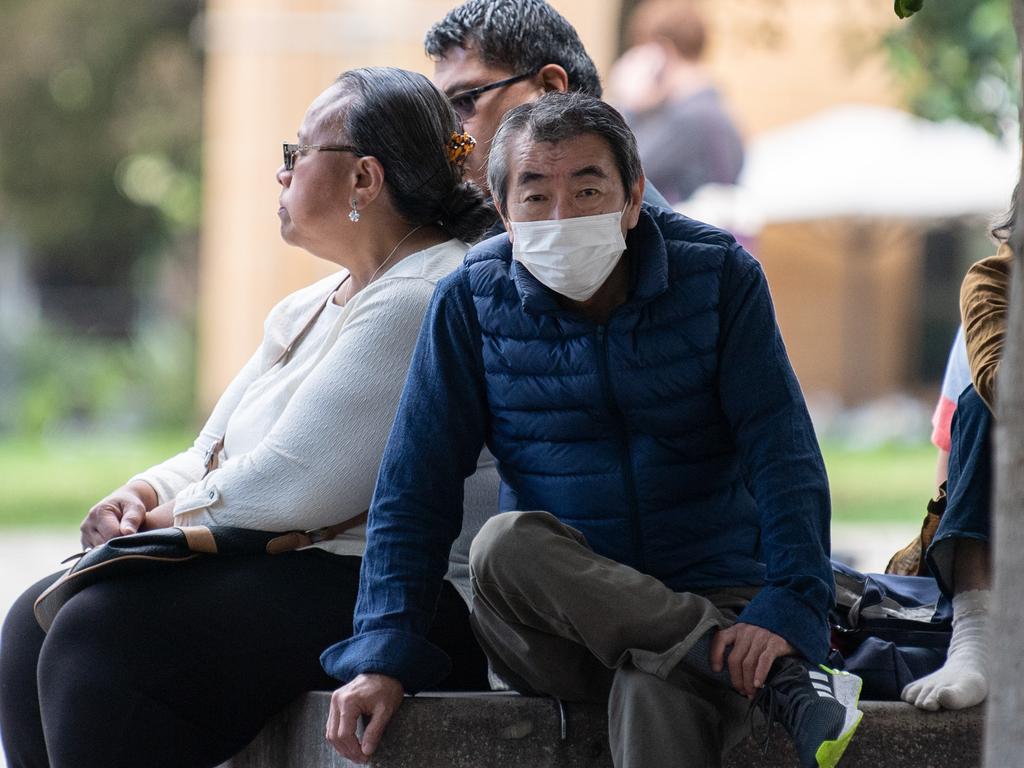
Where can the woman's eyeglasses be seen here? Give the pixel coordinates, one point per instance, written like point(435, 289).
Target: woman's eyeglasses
point(291, 151)
point(464, 103)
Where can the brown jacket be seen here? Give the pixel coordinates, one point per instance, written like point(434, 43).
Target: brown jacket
point(984, 303)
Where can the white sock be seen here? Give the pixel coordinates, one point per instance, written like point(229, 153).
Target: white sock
point(963, 680)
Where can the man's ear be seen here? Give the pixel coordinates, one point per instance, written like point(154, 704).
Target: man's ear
point(507, 224)
point(636, 198)
point(553, 77)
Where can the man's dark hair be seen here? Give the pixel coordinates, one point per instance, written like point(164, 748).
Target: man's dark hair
point(517, 35)
point(557, 117)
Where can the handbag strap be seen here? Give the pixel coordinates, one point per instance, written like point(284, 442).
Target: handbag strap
point(310, 320)
point(211, 457)
point(286, 542)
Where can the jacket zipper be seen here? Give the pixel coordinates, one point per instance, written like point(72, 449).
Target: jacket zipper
point(625, 449)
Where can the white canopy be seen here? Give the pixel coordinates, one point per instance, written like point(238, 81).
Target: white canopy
point(859, 160)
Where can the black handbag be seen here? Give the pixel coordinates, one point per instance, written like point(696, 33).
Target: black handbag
point(139, 552)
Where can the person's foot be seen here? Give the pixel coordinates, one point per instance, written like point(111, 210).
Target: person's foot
point(951, 687)
point(816, 705)
point(963, 680)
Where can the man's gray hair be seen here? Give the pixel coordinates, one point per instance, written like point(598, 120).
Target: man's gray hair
point(557, 117)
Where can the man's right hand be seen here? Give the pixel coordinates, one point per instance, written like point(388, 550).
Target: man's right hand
point(119, 514)
point(375, 696)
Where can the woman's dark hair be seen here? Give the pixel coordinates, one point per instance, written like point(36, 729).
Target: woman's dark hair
point(517, 35)
point(1003, 226)
point(401, 119)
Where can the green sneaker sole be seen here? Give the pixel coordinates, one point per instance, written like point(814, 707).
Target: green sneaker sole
point(829, 752)
point(847, 688)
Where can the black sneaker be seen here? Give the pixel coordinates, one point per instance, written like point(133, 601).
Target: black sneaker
point(816, 705)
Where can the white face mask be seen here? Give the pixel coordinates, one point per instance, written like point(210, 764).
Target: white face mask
point(572, 257)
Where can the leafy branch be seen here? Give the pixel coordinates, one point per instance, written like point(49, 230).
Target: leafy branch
point(907, 8)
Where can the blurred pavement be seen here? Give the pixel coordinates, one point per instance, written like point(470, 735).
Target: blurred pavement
point(25, 557)
point(28, 555)
point(868, 547)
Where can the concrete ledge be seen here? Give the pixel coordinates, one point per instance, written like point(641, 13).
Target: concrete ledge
point(474, 731)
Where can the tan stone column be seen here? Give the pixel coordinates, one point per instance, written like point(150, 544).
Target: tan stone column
point(266, 61)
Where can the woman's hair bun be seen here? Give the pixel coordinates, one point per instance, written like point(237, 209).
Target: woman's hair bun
point(404, 121)
point(465, 213)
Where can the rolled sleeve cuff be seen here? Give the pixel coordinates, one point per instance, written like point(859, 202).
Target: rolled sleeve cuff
point(195, 497)
point(413, 660)
point(164, 491)
point(194, 505)
point(786, 614)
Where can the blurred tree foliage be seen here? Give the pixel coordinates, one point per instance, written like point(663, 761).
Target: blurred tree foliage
point(99, 133)
point(959, 60)
point(955, 58)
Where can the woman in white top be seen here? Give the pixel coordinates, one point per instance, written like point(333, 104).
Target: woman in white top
point(181, 667)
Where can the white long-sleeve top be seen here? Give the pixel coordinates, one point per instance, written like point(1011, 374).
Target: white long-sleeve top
point(303, 438)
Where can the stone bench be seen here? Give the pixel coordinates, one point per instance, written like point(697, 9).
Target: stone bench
point(491, 730)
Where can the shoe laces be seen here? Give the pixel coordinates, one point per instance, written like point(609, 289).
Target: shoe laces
point(764, 699)
point(789, 711)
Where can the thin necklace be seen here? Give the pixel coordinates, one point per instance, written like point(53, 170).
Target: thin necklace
point(393, 252)
point(380, 266)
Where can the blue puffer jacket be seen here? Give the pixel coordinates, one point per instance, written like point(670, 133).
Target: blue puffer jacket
point(674, 436)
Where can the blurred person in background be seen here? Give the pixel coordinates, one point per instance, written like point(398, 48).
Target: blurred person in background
point(686, 136)
point(493, 55)
point(959, 556)
point(182, 666)
point(955, 380)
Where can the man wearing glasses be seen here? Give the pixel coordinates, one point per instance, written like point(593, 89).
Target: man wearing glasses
point(493, 55)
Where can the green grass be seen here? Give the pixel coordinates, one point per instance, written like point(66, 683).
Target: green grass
point(54, 482)
point(880, 485)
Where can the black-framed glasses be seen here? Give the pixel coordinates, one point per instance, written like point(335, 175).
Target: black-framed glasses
point(291, 151)
point(464, 103)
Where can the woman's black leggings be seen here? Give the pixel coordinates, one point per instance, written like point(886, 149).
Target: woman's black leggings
point(181, 667)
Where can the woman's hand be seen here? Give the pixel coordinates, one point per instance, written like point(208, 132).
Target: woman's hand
point(119, 514)
point(637, 80)
point(159, 517)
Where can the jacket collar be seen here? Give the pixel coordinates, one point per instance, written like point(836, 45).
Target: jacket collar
point(645, 249)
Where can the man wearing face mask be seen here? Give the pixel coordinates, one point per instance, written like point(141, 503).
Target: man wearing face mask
point(624, 366)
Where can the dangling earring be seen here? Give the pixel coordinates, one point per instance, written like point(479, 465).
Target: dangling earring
point(353, 215)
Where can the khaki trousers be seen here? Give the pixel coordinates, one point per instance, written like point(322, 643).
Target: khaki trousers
point(555, 618)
